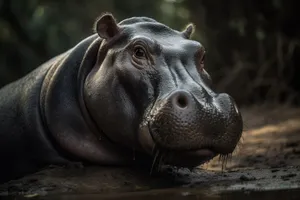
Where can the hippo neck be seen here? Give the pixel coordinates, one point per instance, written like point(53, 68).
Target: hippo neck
point(88, 62)
point(68, 123)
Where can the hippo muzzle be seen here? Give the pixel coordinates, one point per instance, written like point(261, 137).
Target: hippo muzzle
point(189, 131)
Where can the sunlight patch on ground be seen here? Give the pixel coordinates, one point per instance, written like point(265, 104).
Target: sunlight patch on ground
point(273, 143)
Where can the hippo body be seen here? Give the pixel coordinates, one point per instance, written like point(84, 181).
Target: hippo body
point(25, 144)
point(135, 86)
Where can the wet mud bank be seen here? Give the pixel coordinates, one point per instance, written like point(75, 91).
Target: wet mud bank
point(267, 159)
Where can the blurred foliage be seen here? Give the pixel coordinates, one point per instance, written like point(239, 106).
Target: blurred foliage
point(251, 45)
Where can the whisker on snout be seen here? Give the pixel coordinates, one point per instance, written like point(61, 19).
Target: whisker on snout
point(160, 163)
point(224, 159)
point(156, 160)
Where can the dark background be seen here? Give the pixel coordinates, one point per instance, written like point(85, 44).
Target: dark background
point(253, 46)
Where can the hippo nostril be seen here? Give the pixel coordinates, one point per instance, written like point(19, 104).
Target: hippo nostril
point(182, 101)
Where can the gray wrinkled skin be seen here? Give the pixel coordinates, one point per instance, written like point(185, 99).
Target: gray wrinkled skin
point(134, 87)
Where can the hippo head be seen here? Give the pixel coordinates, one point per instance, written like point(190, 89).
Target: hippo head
point(149, 91)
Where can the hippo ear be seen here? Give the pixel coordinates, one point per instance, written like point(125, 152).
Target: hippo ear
point(188, 31)
point(106, 26)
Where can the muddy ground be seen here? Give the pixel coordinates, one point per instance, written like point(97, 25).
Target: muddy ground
point(268, 158)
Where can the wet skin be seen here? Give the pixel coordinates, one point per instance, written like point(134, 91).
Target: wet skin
point(134, 86)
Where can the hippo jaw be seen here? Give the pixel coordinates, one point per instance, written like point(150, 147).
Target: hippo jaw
point(185, 158)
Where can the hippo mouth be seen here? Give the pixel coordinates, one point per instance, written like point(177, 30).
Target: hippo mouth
point(189, 158)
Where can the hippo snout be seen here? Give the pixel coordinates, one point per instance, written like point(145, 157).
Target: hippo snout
point(183, 122)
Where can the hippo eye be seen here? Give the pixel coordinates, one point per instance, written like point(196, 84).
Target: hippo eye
point(139, 52)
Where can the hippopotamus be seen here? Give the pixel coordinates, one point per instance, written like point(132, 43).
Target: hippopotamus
point(132, 87)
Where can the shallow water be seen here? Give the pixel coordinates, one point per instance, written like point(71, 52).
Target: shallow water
point(176, 194)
